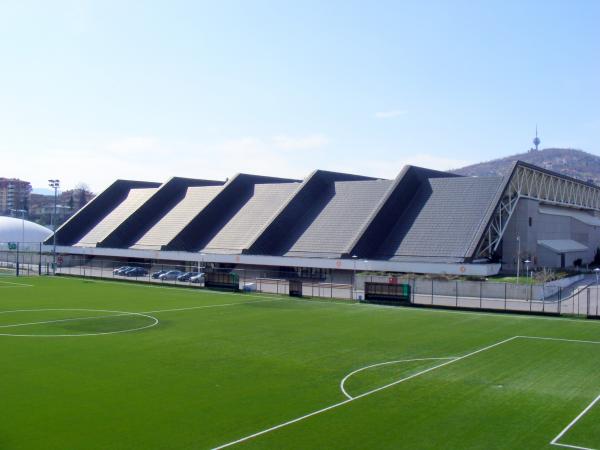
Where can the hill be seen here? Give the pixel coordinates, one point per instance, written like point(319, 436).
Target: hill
point(571, 162)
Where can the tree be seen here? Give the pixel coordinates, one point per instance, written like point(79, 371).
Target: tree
point(83, 194)
point(544, 275)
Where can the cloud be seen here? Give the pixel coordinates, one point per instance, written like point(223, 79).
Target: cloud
point(300, 143)
point(389, 114)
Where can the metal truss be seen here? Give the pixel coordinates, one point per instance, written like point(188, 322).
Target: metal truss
point(527, 182)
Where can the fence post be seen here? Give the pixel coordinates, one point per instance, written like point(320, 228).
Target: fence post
point(432, 291)
point(543, 300)
point(456, 292)
point(480, 296)
point(530, 302)
point(504, 296)
point(588, 302)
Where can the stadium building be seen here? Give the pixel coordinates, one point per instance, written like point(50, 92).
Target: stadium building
point(423, 221)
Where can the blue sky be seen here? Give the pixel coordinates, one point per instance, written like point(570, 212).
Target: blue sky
point(97, 90)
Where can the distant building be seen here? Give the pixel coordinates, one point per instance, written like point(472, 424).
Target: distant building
point(68, 203)
point(14, 194)
point(42, 207)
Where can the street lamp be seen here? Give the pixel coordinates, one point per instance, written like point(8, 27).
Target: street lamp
point(354, 257)
point(55, 184)
point(527, 262)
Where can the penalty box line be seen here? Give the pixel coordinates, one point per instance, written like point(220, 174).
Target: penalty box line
point(573, 422)
point(402, 380)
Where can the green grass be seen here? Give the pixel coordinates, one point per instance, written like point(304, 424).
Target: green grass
point(237, 364)
point(522, 280)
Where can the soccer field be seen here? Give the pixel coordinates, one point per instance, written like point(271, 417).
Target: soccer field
point(111, 365)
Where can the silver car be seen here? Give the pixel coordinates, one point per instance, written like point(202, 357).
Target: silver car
point(198, 278)
point(170, 275)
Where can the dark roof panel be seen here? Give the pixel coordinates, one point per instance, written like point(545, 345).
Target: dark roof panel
point(237, 234)
point(332, 223)
point(135, 198)
point(442, 218)
point(163, 231)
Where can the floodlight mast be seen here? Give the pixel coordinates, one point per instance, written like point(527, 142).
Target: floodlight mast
point(55, 185)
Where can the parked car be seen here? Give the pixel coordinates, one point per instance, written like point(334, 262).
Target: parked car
point(186, 276)
point(136, 272)
point(170, 275)
point(116, 271)
point(156, 275)
point(198, 278)
point(122, 270)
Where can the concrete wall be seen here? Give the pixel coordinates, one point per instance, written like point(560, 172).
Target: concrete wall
point(545, 226)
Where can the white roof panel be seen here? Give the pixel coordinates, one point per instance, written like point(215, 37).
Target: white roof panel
point(135, 199)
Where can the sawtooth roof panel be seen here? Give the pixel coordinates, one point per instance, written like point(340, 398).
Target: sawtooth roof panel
point(194, 201)
point(135, 198)
point(441, 219)
point(238, 232)
point(332, 223)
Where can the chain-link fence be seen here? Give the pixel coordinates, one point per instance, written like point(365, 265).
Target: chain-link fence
point(558, 298)
point(23, 258)
point(249, 279)
point(579, 298)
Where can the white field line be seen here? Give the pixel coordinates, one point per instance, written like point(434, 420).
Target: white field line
point(212, 306)
point(404, 309)
point(573, 422)
point(579, 341)
point(15, 284)
point(112, 315)
point(573, 446)
point(116, 313)
point(335, 405)
point(387, 363)
point(167, 286)
point(66, 320)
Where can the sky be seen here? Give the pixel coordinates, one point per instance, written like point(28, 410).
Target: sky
point(92, 91)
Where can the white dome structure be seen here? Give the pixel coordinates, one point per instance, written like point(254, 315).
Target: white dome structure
point(13, 229)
